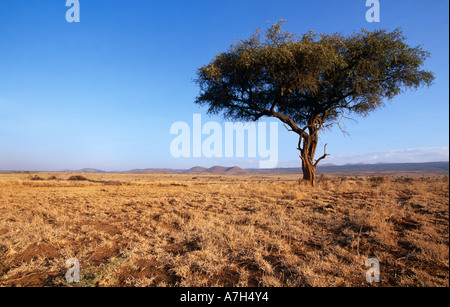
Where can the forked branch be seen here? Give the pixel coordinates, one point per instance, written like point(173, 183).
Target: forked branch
point(323, 157)
point(340, 121)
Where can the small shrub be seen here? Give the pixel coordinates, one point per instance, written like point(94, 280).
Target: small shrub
point(377, 180)
point(77, 178)
point(404, 180)
point(322, 178)
point(36, 178)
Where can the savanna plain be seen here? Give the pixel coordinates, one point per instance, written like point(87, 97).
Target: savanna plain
point(183, 230)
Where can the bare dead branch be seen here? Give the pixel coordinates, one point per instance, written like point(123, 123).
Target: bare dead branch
point(340, 121)
point(323, 157)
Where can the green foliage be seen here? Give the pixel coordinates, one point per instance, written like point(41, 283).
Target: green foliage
point(310, 80)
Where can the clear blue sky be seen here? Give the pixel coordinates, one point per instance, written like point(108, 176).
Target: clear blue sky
point(104, 92)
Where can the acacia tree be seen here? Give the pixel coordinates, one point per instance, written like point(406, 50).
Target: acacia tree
point(310, 82)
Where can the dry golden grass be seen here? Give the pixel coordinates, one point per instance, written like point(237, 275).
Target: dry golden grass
point(186, 230)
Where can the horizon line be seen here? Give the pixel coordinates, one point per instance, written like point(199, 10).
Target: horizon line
point(205, 167)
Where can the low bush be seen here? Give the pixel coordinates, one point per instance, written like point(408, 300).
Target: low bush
point(77, 178)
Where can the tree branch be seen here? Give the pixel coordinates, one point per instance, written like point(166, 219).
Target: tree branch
point(340, 121)
point(287, 128)
point(299, 147)
point(323, 157)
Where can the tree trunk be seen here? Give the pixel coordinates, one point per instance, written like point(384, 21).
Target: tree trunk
point(309, 173)
point(307, 153)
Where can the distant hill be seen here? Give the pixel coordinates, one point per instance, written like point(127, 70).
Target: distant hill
point(437, 168)
point(236, 171)
point(146, 171)
point(431, 167)
point(222, 170)
point(216, 170)
point(196, 170)
point(85, 171)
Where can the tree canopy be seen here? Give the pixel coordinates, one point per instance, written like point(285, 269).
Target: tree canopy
point(310, 81)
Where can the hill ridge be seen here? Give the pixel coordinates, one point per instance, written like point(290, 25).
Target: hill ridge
point(441, 167)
